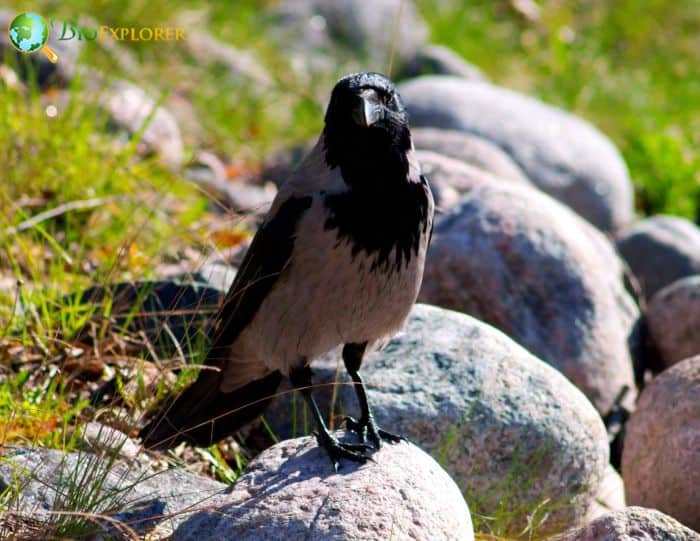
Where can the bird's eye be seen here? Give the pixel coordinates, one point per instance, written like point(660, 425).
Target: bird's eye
point(391, 102)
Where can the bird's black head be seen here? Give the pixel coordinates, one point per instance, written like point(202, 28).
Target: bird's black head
point(366, 132)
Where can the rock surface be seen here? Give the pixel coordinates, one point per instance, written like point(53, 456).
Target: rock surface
point(241, 65)
point(357, 25)
point(560, 153)
point(511, 430)
point(610, 496)
point(440, 60)
point(291, 492)
point(673, 316)
point(131, 108)
point(469, 149)
point(661, 457)
point(631, 524)
point(104, 438)
point(121, 490)
point(450, 179)
point(519, 260)
point(661, 250)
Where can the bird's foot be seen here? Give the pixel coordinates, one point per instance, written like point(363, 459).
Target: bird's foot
point(367, 430)
point(337, 450)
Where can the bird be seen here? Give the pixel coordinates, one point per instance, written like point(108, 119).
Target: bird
point(337, 261)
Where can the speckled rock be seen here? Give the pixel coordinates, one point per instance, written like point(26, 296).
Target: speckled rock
point(673, 317)
point(441, 60)
point(291, 492)
point(560, 153)
point(469, 149)
point(631, 524)
point(450, 179)
point(661, 457)
point(240, 64)
point(516, 258)
point(355, 26)
point(610, 496)
point(511, 430)
point(103, 438)
point(661, 250)
point(122, 490)
point(131, 108)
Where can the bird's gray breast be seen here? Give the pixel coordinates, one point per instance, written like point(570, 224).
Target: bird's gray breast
point(337, 288)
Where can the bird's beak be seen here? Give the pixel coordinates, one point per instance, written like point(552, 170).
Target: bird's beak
point(368, 109)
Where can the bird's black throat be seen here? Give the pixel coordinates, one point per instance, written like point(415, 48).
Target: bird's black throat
point(383, 208)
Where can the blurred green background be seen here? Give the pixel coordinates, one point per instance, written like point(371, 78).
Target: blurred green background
point(631, 67)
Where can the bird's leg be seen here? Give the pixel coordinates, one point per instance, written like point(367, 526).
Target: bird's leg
point(365, 427)
point(301, 381)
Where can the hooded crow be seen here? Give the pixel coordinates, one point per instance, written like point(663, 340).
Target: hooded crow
point(337, 261)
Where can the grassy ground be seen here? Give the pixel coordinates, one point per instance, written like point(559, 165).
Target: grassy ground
point(630, 67)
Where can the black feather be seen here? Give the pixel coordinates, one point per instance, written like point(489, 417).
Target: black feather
point(203, 413)
point(380, 223)
point(267, 256)
point(383, 208)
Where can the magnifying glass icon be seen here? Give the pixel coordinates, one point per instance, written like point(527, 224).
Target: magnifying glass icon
point(30, 33)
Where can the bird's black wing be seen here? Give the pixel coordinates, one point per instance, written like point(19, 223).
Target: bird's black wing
point(265, 260)
point(203, 413)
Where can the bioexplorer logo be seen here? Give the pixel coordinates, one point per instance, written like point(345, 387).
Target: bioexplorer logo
point(71, 30)
point(29, 32)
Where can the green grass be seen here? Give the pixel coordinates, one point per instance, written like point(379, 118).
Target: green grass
point(47, 163)
point(629, 67)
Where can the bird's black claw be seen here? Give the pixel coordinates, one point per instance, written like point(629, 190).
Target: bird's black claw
point(337, 450)
point(391, 438)
point(369, 430)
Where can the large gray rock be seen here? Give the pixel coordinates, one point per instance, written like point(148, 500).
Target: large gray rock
point(610, 496)
point(631, 524)
point(50, 480)
point(661, 250)
point(290, 491)
point(440, 60)
point(516, 258)
point(562, 154)
point(661, 456)
point(673, 317)
point(469, 149)
point(102, 438)
point(206, 49)
point(131, 109)
point(515, 434)
point(359, 27)
point(450, 179)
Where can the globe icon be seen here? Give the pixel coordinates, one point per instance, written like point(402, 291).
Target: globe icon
point(29, 33)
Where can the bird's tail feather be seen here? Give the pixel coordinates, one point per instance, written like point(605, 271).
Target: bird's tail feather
point(203, 414)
